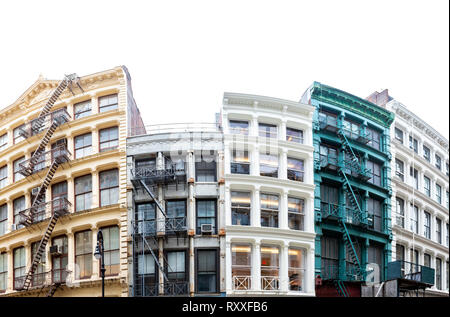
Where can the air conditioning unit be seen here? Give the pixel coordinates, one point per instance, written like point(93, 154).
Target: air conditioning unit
point(13, 227)
point(55, 250)
point(35, 191)
point(207, 228)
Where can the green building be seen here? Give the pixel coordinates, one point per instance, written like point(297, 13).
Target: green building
point(353, 191)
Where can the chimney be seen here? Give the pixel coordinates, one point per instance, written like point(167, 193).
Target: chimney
point(380, 98)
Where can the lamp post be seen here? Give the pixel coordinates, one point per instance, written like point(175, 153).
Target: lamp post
point(99, 255)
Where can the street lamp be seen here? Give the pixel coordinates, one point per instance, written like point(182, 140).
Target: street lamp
point(99, 255)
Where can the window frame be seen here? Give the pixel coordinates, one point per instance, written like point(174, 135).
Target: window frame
point(15, 269)
point(82, 193)
point(294, 138)
point(299, 174)
point(84, 147)
point(396, 130)
point(81, 103)
point(237, 209)
point(83, 255)
point(16, 174)
point(4, 179)
point(297, 214)
point(197, 217)
point(109, 251)
point(108, 189)
point(4, 139)
point(116, 105)
point(238, 130)
point(216, 272)
point(244, 166)
point(206, 170)
point(272, 214)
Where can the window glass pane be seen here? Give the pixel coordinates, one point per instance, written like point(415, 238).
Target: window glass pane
point(239, 127)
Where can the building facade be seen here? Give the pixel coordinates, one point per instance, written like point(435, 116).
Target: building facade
point(269, 216)
point(63, 178)
point(420, 198)
point(353, 191)
point(176, 209)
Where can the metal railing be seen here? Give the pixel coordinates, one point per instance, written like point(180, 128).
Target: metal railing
point(176, 288)
point(411, 271)
point(270, 283)
point(160, 226)
point(242, 283)
point(175, 128)
point(38, 125)
point(45, 210)
point(168, 173)
point(43, 279)
point(60, 154)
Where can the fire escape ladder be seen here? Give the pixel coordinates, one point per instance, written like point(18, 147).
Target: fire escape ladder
point(351, 248)
point(341, 288)
point(53, 289)
point(156, 258)
point(42, 244)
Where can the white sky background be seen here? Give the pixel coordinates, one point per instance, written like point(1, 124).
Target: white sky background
point(183, 55)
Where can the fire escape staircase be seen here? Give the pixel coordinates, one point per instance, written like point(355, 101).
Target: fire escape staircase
point(56, 162)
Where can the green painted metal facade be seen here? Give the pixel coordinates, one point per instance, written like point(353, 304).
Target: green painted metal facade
point(353, 185)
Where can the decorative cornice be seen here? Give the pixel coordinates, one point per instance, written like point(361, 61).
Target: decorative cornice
point(352, 103)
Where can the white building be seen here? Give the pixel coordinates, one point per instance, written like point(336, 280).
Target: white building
point(269, 196)
point(420, 194)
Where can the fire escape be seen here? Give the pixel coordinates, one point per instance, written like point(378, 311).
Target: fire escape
point(149, 234)
point(46, 122)
point(348, 167)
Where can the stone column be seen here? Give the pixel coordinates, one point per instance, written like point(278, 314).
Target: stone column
point(256, 266)
point(95, 190)
point(255, 216)
point(283, 165)
point(71, 256)
point(309, 272)
point(284, 274)
point(283, 211)
point(228, 267)
point(95, 262)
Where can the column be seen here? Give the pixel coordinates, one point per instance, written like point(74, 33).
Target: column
point(191, 266)
point(95, 190)
point(256, 266)
point(309, 272)
point(254, 162)
point(10, 279)
point(94, 104)
point(283, 129)
point(227, 207)
point(71, 256)
point(95, 263)
point(95, 140)
point(228, 267)
point(283, 164)
point(255, 217)
point(254, 125)
point(284, 262)
point(227, 159)
point(283, 211)
point(9, 204)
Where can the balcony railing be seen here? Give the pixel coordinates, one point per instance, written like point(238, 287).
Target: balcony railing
point(410, 271)
point(242, 283)
point(45, 210)
point(60, 154)
point(329, 123)
point(270, 283)
point(199, 127)
point(339, 211)
point(43, 279)
point(166, 226)
point(332, 272)
point(176, 288)
point(38, 125)
point(240, 168)
point(170, 173)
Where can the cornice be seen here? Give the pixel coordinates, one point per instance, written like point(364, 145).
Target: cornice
point(352, 103)
point(402, 112)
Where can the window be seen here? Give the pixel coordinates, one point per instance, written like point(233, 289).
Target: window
point(427, 225)
point(3, 141)
point(176, 214)
point(413, 144)
point(205, 171)
point(399, 170)
point(3, 176)
point(241, 266)
point(426, 153)
point(375, 255)
point(296, 270)
point(400, 209)
point(82, 109)
point(39, 275)
point(83, 192)
point(39, 212)
point(438, 230)
point(206, 214)
point(146, 218)
point(269, 210)
point(414, 218)
point(111, 254)
point(109, 139)
point(329, 257)
point(109, 102)
point(295, 169)
point(376, 173)
point(329, 199)
point(294, 135)
point(438, 194)
point(240, 163)
point(109, 187)
point(3, 218)
point(239, 127)
point(438, 274)
point(374, 138)
point(328, 157)
point(427, 260)
point(270, 268)
point(296, 214)
point(16, 169)
point(374, 214)
point(176, 268)
point(427, 186)
point(19, 267)
point(351, 129)
point(399, 252)
point(3, 272)
point(83, 145)
point(59, 262)
point(438, 161)
point(446, 169)
point(59, 196)
point(240, 208)
point(18, 206)
point(83, 254)
point(267, 130)
point(268, 165)
point(447, 234)
point(414, 257)
point(327, 120)
point(146, 270)
point(17, 134)
point(413, 173)
point(399, 134)
point(207, 271)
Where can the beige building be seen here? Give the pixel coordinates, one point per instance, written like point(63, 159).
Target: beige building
point(53, 204)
